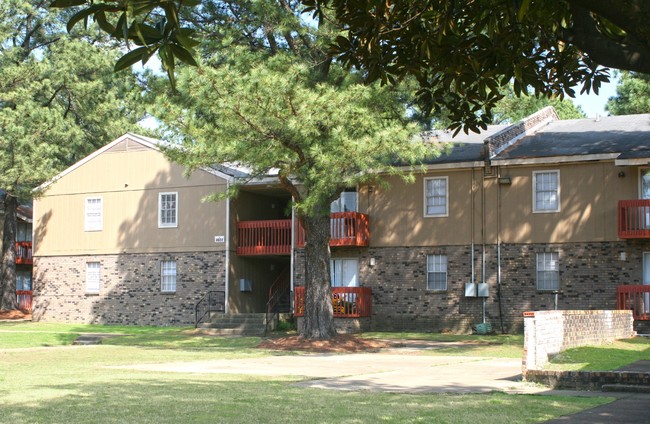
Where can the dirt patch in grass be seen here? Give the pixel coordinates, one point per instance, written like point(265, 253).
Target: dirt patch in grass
point(341, 343)
point(14, 315)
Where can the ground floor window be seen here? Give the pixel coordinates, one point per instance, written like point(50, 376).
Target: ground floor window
point(93, 270)
point(168, 276)
point(436, 272)
point(344, 272)
point(548, 271)
point(23, 279)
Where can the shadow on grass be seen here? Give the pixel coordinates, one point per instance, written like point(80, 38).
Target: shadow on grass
point(166, 400)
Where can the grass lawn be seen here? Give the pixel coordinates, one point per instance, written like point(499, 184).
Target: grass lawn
point(77, 384)
point(605, 357)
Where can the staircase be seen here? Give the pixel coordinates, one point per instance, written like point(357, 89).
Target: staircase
point(234, 324)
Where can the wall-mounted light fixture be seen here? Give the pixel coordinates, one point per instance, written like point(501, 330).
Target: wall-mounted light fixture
point(621, 174)
point(372, 261)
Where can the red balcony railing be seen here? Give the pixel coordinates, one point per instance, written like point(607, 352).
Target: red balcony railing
point(24, 252)
point(347, 302)
point(634, 219)
point(24, 299)
point(349, 229)
point(636, 298)
point(271, 237)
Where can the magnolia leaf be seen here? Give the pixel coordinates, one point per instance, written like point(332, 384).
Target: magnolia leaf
point(130, 58)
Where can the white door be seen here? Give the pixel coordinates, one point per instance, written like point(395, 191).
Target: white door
point(644, 193)
point(345, 272)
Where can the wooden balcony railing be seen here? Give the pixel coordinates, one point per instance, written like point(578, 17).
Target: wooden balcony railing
point(634, 219)
point(24, 253)
point(347, 302)
point(636, 298)
point(273, 237)
point(24, 299)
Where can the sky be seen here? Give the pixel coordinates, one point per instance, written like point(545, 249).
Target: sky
point(595, 104)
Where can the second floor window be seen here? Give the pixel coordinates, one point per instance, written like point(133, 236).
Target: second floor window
point(93, 214)
point(546, 191)
point(168, 210)
point(436, 196)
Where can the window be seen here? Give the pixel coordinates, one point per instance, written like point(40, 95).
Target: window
point(168, 210)
point(644, 184)
point(548, 271)
point(23, 279)
point(347, 202)
point(92, 277)
point(546, 191)
point(93, 214)
point(436, 196)
point(23, 231)
point(344, 272)
point(436, 272)
point(168, 276)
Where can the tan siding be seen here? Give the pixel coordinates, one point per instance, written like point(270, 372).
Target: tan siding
point(397, 212)
point(129, 183)
point(589, 194)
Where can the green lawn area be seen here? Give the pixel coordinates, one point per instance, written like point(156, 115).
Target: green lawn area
point(44, 380)
point(605, 357)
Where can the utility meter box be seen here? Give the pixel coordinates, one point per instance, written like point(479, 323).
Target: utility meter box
point(470, 289)
point(483, 290)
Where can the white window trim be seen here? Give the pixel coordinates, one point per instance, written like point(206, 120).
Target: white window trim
point(99, 278)
point(638, 180)
point(162, 290)
point(101, 214)
point(424, 184)
point(537, 270)
point(426, 282)
point(559, 198)
point(160, 223)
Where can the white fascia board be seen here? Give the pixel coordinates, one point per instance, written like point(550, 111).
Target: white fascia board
point(555, 159)
point(632, 162)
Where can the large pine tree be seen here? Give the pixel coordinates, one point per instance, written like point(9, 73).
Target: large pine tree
point(59, 101)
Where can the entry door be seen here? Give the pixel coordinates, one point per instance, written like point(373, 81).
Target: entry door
point(644, 184)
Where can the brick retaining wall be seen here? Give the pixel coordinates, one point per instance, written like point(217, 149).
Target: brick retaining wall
point(547, 333)
point(129, 288)
point(587, 380)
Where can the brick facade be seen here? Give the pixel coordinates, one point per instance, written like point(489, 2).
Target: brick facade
point(129, 288)
point(589, 275)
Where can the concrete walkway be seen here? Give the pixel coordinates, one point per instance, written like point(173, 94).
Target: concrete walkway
point(409, 371)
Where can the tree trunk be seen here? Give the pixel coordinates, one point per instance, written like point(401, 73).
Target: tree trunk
point(319, 316)
point(8, 276)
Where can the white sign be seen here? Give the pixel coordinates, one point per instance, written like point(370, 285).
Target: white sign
point(219, 239)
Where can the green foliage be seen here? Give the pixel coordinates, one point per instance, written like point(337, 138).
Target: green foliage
point(319, 133)
point(632, 95)
point(512, 108)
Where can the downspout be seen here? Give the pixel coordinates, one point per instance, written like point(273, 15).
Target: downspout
point(227, 282)
point(483, 219)
point(291, 257)
point(499, 251)
point(473, 225)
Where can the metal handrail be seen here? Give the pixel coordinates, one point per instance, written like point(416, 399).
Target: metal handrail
point(279, 288)
point(213, 301)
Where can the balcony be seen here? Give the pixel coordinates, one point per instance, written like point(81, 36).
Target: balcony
point(273, 237)
point(634, 219)
point(24, 253)
point(636, 298)
point(347, 302)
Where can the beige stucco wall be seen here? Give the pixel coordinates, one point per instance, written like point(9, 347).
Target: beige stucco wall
point(129, 179)
point(589, 195)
